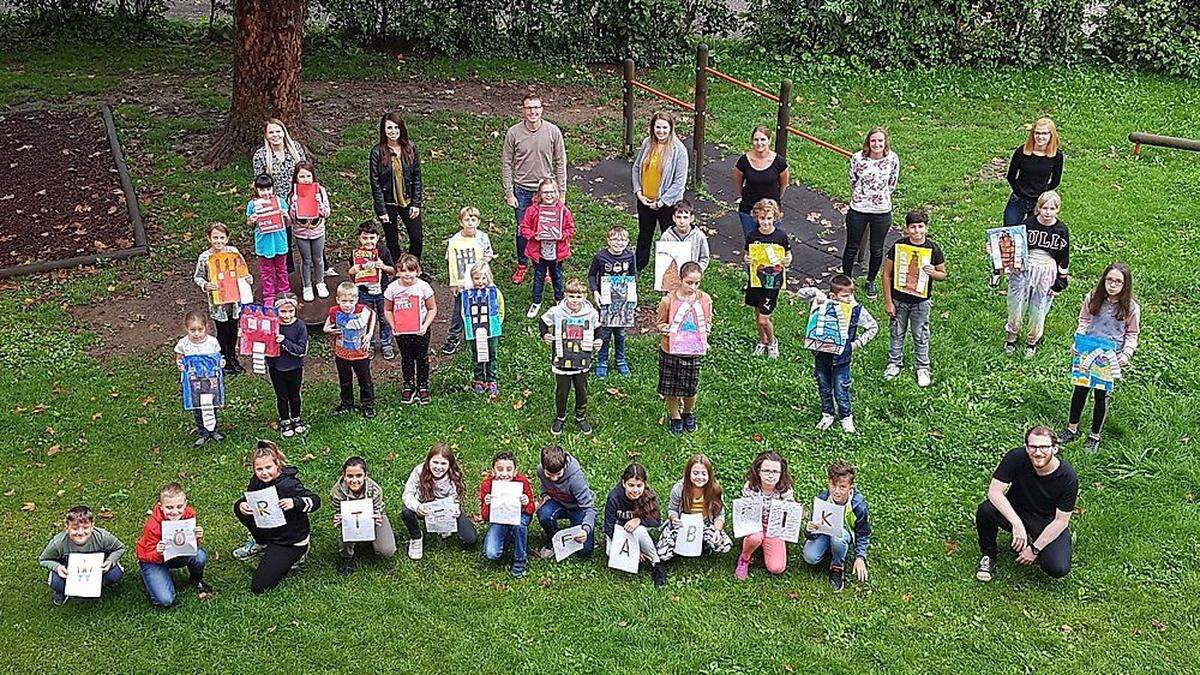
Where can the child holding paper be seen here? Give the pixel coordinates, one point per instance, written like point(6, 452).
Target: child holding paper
point(565, 495)
point(79, 535)
point(698, 492)
point(199, 342)
point(485, 370)
point(766, 213)
point(856, 528)
point(224, 315)
point(766, 480)
point(435, 479)
point(679, 362)
point(353, 484)
point(633, 506)
point(279, 548)
point(352, 349)
point(409, 309)
point(267, 214)
point(310, 208)
point(685, 230)
point(614, 260)
point(287, 370)
point(155, 568)
point(548, 227)
point(370, 269)
point(906, 311)
point(504, 468)
point(832, 371)
point(467, 248)
point(573, 307)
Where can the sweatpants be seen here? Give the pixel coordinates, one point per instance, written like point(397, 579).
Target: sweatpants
point(562, 389)
point(347, 370)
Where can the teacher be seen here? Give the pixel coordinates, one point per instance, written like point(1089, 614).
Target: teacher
point(396, 190)
point(660, 171)
point(277, 158)
point(874, 171)
point(758, 174)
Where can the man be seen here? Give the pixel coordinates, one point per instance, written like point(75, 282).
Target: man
point(1032, 495)
point(533, 150)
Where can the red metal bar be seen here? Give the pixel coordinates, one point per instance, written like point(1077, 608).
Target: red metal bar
point(666, 97)
point(821, 143)
point(744, 85)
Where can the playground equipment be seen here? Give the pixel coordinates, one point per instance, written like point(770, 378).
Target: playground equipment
point(1138, 138)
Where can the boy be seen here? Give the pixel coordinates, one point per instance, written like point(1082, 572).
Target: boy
point(766, 212)
point(504, 467)
point(565, 494)
point(685, 230)
point(573, 322)
point(370, 269)
point(615, 260)
point(352, 348)
point(464, 250)
point(79, 536)
point(832, 371)
point(907, 311)
point(856, 528)
point(156, 571)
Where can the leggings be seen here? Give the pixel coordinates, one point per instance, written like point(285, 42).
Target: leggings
point(774, 550)
point(857, 223)
point(312, 258)
point(414, 359)
point(412, 227)
point(466, 529)
point(648, 218)
point(274, 562)
point(287, 391)
point(1099, 408)
point(562, 389)
point(227, 337)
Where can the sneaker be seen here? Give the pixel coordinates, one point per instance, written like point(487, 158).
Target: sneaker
point(519, 273)
point(341, 409)
point(923, 378)
point(742, 569)
point(773, 350)
point(848, 424)
point(423, 396)
point(58, 599)
point(545, 553)
point(450, 347)
point(416, 548)
point(408, 395)
point(517, 570)
point(216, 437)
point(993, 280)
point(1010, 348)
point(584, 427)
point(675, 426)
point(345, 565)
point(623, 368)
point(298, 426)
point(368, 413)
point(285, 428)
point(986, 568)
point(303, 559)
point(329, 272)
point(760, 349)
point(493, 389)
point(825, 422)
point(1030, 351)
point(248, 550)
point(307, 294)
point(556, 426)
point(200, 440)
point(872, 292)
point(322, 289)
point(837, 580)
point(1092, 445)
point(533, 310)
point(891, 372)
point(389, 352)
point(477, 387)
point(601, 370)
point(202, 588)
point(689, 422)
point(658, 574)
point(1067, 436)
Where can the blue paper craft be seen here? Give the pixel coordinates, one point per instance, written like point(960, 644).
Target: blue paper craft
point(352, 334)
point(1092, 364)
point(202, 377)
point(828, 327)
point(481, 309)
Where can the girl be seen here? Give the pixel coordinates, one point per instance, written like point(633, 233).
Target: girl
point(697, 492)
point(396, 190)
point(277, 158)
point(874, 171)
point(224, 315)
point(310, 232)
point(758, 174)
point(679, 373)
point(355, 484)
point(287, 370)
point(659, 176)
point(767, 479)
point(282, 548)
point(548, 228)
point(1108, 311)
point(271, 245)
point(634, 506)
point(1036, 167)
point(436, 478)
point(1044, 277)
point(766, 213)
point(485, 371)
point(409, 308)
point(198, 342)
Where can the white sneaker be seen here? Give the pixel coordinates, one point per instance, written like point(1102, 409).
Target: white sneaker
point(759, 350)
point(533, 310)
point(848, 424)
point(416, 548)
point(923, 378)
point(330, 272)
point(307, 294)
point(545, 553)
point(891, 371)
point(825, 422)
point(773, 350)
point(322, 290)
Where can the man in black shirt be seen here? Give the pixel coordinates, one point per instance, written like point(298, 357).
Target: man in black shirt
point(1032, 495)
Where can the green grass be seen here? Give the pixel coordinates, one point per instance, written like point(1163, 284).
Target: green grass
point(924, 457)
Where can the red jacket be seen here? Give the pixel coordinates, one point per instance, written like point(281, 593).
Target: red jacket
point(485, 489)
point(529, 228)
point(147, 544)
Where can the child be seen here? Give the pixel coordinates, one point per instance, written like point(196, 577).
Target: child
point(1046, 276)
point(310, 232)
point(631, 504)
point(355, 484)
point(156, 572)
point(906, 311)
point(685, 230)
point(352, 353)
point(679, 374)
point(832, 371)
point(80, 536)
point(287, 370)
point(198, 342)
point(767, 479)
point(1109, 311)
point(548, 226)
point(565, 494)
point(697, 492)
point(766, 212)
point(504, 467)
point(282, 548)
point(614, 260)
point(407, 290)
point(573, 306)
point(485, 371)
point(224, 315)
point(436, 478)
point(857, 528)
point(469, 246)
point(370, 269)
point(270, 247)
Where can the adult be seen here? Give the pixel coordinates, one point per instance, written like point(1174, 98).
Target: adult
point(533, 150)
point(874, 171)
point(396, 190)
point(659, 178)
point(1032, 495)
point(277, 158)
point(759, 174)
point(1035, 167)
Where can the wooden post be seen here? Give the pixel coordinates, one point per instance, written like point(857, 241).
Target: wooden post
point(783, 118)
point(698, 118)
point(629, 77)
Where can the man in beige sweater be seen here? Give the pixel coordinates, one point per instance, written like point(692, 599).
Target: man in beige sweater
point(533, 150)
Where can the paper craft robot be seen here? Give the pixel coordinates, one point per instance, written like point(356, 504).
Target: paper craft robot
point(203, 386)
point(481, 312)
point(571, 336)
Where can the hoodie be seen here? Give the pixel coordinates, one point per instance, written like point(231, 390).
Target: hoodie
point(371, 490)
point(618, 510)
point(146, 548)
point(696, 239)
point(485, 489)
point(295, 530)
point(856, 521)
point(571, 491)
point(61, 547)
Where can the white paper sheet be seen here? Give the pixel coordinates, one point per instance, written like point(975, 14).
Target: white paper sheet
point(689, 541)
point(828, 516)
point(358, 520)
point(505, 508)
point(441, 516)
point(785, 520)
point(265, 503)
point(84, 574)
point(623, 552)
point(179, 536)
point(747, 516)
point(565, 544)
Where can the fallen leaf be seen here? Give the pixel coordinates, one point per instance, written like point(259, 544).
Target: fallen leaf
point(613, 391)
point(757, 438)
point(1066, 628)
point(518, 404)
point(96, 416)
point(1158, 625)
point(28, 507)
point(907, 597)
point(107, 514)
point(53, 450)
point(793, 595)
point(308, 456)
point(951, 547)
point(10, 493)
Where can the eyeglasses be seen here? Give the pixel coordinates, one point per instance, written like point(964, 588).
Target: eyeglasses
point(1040, 448)
point(770, 471)
point(533, 107)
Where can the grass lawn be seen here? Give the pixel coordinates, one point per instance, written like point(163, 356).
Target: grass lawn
point(108, 432)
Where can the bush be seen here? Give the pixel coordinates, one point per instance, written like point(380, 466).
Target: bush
point(1162, 35)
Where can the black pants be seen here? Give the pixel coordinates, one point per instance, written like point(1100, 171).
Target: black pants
point(856, 224)
point(562, 389)
point(347, 370)
point(1099, 408)
point(412, 227)
point(274, 562)
point(466, 529)
point(648, 218)
point(1055, 558)
point(287, 391)
point(227, 334)
point(414, 359)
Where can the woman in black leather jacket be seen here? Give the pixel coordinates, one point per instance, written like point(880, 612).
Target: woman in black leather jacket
point(397, 200)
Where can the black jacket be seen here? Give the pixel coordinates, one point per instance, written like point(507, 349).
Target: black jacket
point(296, 529)
point(383, 191)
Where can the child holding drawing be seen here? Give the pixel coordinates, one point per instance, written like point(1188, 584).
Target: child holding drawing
point(287, 370)
point(484, 373)
point(767, 479)
point(766, 213)
point(504, 468)
point(155, 569)
point(633, 506)
point(467, 248)
point(436, 479)
point(350, 325)
point(310, 208)
point(614, 260)
point(684, 318)
point(684, 229)
point(409, 309)
point(267, 214)
point(570, 371)
point(79, 535)
point(548, 226)
point(832, 371)
point(908, 310)
point(198, 342)
point(856, 528)
point(353, 484)
point(698, 492)
point(224, 314)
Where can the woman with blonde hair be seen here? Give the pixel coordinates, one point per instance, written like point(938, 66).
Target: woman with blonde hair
point(1036, 167)
point(874, 171)
point(277, 157)
point(660, 171)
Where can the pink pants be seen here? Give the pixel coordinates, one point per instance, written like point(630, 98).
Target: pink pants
point(774, 551)
point(274, 277)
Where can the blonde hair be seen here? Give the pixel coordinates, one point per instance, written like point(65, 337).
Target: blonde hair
point(575, 286)
point(483, 269)
point(290, 146)
point(1052, 146)
point(765, 205)
point(347, 288)
point(1049, 196)
point(466, 211)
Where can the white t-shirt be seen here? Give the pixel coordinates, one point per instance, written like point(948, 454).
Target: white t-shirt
point(209, 345)
point(419, 292)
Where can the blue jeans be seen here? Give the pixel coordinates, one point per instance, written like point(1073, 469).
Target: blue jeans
point(157, 578)
point(833, 383)
point(456, 320)
point(524, 199)
point(815, 548)
point(616, 336)
point(59, 584)
point(1018, 209)
point(749, 224)
point(375, 302)
point(539, 279)
point(498, 535)
point(552, 512)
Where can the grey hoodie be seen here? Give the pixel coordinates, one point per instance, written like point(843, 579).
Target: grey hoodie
point(571, 491)
point(696, 239)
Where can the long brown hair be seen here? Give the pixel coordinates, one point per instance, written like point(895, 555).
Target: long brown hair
point(785, 478)
point(887, 141)
point(711, 492)
point(304, 165)
point(406, 146)
point(427, 484)
point(646, 507)
point(1124, 298)
point(656, 148)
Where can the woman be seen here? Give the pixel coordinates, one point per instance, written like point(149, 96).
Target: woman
point(396, 185)
point(659, 177)
point(873, 174)
point(758, 174)
point(1035, 167)
point(277, 158)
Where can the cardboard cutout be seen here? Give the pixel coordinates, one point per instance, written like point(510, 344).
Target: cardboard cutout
point(226, 269)
point(306, 201)
point(573, 338)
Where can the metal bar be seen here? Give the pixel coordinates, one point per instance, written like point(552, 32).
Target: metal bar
point(698, 117)
point(629, 79)
point(666, 97)
point(783, 118)
point(817, 141)
point(744, 85)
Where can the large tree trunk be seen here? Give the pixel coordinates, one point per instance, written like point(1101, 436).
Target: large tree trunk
point(268, 39)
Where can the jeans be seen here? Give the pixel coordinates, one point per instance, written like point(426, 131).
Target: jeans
point(312, 259)
point(157, 577)
point(909, 317)
point(412, 227)
point(749, 224)
point(540, 266)
point(466, 529)
point(414, 359)
point(616, 336)
point(59, 584)
point(650, 220)
point(552, 512)
point(524, 199)
point(485, 371)
point(1018, 209)
point(856, 224)
point(833, 384)
point(1055, 558)
point(347, 370)
point(375, 302)
point(498, 535)
point(816, 548)
point(287, 391)
point(457, 327)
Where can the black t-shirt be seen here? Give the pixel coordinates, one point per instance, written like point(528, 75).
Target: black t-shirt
point(757, 184)
point(935, 258)
point(1030, 493)
point(777, 236)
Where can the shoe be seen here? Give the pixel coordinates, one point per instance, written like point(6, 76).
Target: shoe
point(773, 350)
point(760, 349)
point(345, 565)
point(891, 372)
point(493, 390)
point(556, 426)
point(322, 289)
point(200, 440)
point(408, 395)
point(329, 272)
point(477, 387)
point(986, 568)
point(1092, 445)
point(1010, 348)
point(837, 580)
point(303, 559)
point(285, 428)
point(416, 548)
point(622, 368)
point(450, 347)
point(307, 294)
point(872, 292)
point(545, 553)
point(1030, 351)
point(248, 550)
point(1067, 436)
point(423, 396)
point(675, 426)
point(298, 426)
point(389, 352)
point(658, 574)
point(202, 588)
point(601, 371)
point(58, 599)
point(517, 570)
point(519, 273)
point(216, 437)
point(533, 310)
point(825, 422)
point(923, 378)
point(993, 280)
point(848, 424)
point(341, 409)
point(689, 422)
point(742, 569)
point(368, 413)
point(584, 427)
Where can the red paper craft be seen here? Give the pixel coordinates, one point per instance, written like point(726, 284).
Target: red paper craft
point(406, 314)
point(224, 270)
point(366, 276)
point(267, 216)
point(258, 325)
point(306, 201)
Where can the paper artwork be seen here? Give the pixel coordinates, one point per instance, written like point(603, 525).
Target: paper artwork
point(828, 516)
point(669, 257)
point(460, 257)
point(1008, 248)
point(618, 300)
point(369, 273)
point(688, 330)
point(267, 216)
point(203, 385)
point(573, 338)
point(226, 269)
point(623, 551)
point(441, 516)
point(265, 505)
point(689, 540)
point(259, 328)
point(747, 516)
point(1093, 361)
point(785, 520)
point(481, 316)
point(406, 313)
point(353, 327)
point(306, 201)
point(505, 508)
point(179, 538)
point(908, 273)
point(766, 265)
point(358, 520)
point(828, 327)
point(84, 575)
point(565, 544)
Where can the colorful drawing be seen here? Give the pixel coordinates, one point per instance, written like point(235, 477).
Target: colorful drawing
point(618, 300)
point(353, 327)
point(1008, 248)
point(669, 257)
point(203, 382)
point(481, 314)
point(460, 256)
point(306, 201)
point(688, 332)
point(368, 273)
point(267, 216)
point(828, 327)
point(573, 337)
point(406, 313)
point(766, 265)
point(224, 270)
point(908, 274)
point(259, 328)
point(1092, 364)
